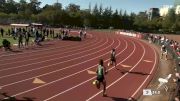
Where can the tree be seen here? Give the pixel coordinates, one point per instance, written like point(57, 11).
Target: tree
point(169, 20)
point(2, 5)
point(34, 6)
point(95, 10)
point(73, 8)
point(22, 5)
point(140, 22)
point(10, 7)
point(51, 14)
point(58, 6)
point(115, 19)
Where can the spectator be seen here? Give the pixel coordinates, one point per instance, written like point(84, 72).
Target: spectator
point(177, 98)
point(80, 34)
point(178, 52)
point(162, 40)
point(9, 32)
point(84, 34)
point(2, 32)
point(27, 35)
point(20, 40)
point(6, 45)
point(164, 52)
point(47, 31)
point(177, 80)
point(51, 32)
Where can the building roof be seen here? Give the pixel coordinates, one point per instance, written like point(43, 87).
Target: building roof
point(20, 25)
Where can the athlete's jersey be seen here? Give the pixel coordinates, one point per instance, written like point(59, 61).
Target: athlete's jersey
point(100, 70)
point(113, 54)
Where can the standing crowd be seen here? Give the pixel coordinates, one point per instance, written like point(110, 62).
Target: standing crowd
point(23, 35)
point(166, 46)
point(30, 36)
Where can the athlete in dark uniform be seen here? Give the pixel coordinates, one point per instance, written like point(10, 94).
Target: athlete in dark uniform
point(20, 39)
point(101, 70)
point(113, 58)
point(26, 39)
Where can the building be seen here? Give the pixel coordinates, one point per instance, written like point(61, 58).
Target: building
point(177, 10)
point(164, 10)
point(153, 13)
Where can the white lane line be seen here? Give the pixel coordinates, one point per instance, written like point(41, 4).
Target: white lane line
point(54, 71)
point(31, 51)
point(61, 69)
point(54, 41)
point(66, 76)
point(148, 75)
point(54, 49)
point(5, 76)
point(90, 78)
point(53, 54)
point(43, 61)
point(120, 77)
point(2, 54)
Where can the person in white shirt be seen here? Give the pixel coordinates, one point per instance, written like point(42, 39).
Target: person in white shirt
point(164, 52)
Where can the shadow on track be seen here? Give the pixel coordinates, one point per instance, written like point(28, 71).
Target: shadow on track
point(16, 51)
point(120, 99)
point(15, 99)
point(134, 72)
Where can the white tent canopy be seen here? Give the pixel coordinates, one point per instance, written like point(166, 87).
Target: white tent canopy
point(20, 25)
point(36, 24)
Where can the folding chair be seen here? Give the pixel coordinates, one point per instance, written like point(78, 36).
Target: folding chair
point(163, 82)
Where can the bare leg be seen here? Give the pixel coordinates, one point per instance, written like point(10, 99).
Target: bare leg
point(98, 84)
point(166, 56)
point(104, 88)
point(161, 55)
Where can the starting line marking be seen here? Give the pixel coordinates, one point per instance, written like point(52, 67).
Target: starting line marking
point(91, 72)
point(38, 81)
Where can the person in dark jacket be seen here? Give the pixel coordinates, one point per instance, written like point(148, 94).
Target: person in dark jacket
point(20, 39)
point(2, 32)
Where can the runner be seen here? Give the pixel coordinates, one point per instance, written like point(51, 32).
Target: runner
point(27, 39)
point(84, 34)
point(20, 39)
point(113, 58)
point(6, 45)
point(101, 71)
point(163, 52)
point(80, 34)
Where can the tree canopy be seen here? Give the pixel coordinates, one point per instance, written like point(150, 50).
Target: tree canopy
point(73, 15)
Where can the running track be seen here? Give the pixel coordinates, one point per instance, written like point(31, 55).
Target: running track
point(63, 66)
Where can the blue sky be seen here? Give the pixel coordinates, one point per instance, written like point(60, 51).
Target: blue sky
point(128, 5)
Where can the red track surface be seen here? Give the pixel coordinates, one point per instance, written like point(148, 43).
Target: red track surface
point(63, 66)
